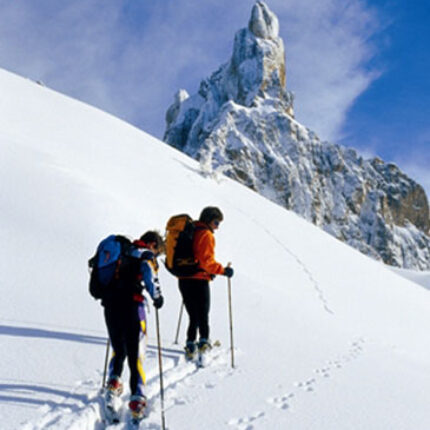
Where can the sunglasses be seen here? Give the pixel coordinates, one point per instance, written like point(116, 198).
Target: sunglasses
point(216, 222)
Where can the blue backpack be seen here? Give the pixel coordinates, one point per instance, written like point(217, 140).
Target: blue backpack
point(105, 265)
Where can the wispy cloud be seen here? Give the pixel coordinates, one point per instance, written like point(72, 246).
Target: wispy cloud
point(68, 45)
point(329, 47)
point(130, 57)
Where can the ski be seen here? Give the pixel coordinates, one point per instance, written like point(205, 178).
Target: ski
point(136, 420)
point(111, 414)
point(111, 409)
point(204, 354)
point(134, 423)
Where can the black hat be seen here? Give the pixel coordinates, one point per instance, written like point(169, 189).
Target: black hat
point(211, 213)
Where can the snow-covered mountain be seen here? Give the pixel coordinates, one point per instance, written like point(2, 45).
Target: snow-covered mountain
point(325, 337)
point(241, 122)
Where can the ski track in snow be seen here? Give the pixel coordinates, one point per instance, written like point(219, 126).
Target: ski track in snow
point(317, 288)
point(315, 284)
point(84, 409)
point(285, 402)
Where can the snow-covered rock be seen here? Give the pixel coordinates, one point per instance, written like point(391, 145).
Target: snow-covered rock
point(241, 121)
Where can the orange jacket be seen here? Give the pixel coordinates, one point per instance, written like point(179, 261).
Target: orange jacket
point(204, 252)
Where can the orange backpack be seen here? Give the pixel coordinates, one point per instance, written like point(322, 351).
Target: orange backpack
point(180, 260)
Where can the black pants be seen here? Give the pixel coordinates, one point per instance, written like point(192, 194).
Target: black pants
point(196, 297)
point(126, 324)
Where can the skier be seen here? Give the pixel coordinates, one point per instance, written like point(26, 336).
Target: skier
point(195, 288)
point(124, 311)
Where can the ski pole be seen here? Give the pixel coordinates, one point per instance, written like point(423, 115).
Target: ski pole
point(160, 366)
point(231, 320)
point(179, 323)
point(106, 363)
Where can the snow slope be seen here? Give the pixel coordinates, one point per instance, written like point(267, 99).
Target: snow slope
point(326, 338)
point(420, 278)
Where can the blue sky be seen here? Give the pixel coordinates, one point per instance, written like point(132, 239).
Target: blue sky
point(359, 69)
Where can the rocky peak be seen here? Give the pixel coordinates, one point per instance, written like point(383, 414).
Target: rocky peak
point(241, 122)
point(256, 71)
point(255, 75)
point(263, 23)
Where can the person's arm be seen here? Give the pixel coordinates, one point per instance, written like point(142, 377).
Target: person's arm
point(205, 252)
point(150, 279)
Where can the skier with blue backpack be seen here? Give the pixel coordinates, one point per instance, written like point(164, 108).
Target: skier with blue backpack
point(121, 271)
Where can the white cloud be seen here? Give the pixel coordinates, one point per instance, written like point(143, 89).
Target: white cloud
point(328, 51)
point(93, 51)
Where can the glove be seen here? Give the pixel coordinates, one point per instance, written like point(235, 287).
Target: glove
point(228, 271)
point(158, 302)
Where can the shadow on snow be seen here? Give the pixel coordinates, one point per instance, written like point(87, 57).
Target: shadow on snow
point(50, 334)
point(12, 393)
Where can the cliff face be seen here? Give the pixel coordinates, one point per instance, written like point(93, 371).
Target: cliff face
point(242, 122)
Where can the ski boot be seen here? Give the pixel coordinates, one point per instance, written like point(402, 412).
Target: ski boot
point(114, 389)
point(137, 407)
point(190, 351)
point(204, 348)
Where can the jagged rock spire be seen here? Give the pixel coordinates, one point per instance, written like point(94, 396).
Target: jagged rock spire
point(263, 22)
point(257, 66)
point(255, 75)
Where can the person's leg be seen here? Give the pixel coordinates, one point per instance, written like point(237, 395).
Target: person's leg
point(188, 291)
point(136, 347)
point(116, 335)
point(204, 300)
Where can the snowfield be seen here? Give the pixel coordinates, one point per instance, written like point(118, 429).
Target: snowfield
point(325, 337)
